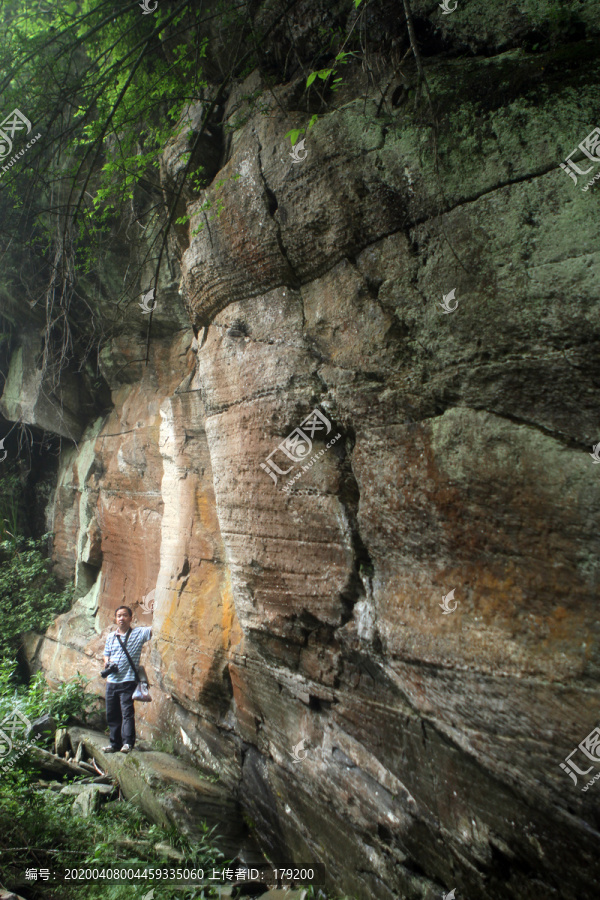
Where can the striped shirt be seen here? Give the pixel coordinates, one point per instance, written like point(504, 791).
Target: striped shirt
point(112, 649)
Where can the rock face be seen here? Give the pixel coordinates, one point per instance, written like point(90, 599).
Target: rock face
point(41, 398)
point(300, 646)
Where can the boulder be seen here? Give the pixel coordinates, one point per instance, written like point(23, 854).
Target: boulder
point(168, 790)
point(44, 726)
point(49, 786)
point(88, 797)
point(61, 742)
point(87, 804)
point(75, 790)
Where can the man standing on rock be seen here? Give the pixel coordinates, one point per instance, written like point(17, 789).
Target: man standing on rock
point(120, 685)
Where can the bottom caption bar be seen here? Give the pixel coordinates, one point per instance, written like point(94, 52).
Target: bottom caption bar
point(182, 875)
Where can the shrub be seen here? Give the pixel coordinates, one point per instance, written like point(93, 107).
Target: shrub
point(30, 596)
point(38, 829)
point(67, 701)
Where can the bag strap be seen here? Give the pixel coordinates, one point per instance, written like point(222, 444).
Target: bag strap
point(116, 635)
point(124, 647)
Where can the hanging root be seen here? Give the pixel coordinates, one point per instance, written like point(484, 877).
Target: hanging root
point(417, 55)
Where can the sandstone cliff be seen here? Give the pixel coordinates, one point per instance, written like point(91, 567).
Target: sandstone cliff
point(311, 616)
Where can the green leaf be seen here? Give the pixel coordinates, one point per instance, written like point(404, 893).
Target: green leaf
point(294, 134)
point(313, 119)
point(310, 79)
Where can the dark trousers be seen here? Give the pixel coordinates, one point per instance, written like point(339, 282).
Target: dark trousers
point(120, 714)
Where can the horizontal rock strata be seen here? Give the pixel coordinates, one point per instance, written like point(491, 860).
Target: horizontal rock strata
point(299, 645)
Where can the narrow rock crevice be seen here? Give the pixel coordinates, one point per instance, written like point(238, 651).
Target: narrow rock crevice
point(272, 205)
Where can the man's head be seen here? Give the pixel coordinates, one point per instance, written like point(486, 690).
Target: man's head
point(123, 617)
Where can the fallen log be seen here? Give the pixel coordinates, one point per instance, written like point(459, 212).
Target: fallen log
point(49, 762)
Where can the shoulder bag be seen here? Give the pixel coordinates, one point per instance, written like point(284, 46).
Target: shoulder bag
point(141, 691)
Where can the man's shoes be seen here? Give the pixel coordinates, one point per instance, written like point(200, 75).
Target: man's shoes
point(125, 748)
point(110, 749)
